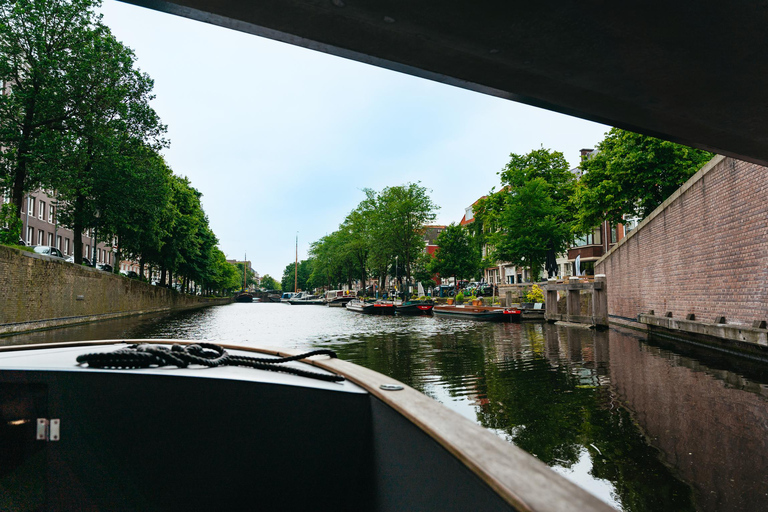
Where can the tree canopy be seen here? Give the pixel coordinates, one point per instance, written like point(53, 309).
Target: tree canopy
point(269, 283)
point(457, 254)
point(631, 175)
point(76, 120)
point(531, 218)
point(383, 235)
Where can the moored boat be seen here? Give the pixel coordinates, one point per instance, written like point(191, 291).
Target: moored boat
point(81, 431)
point(337, 298)
point(243, 296)
point(304, 298)
point(360, 306)
point(383, 307)
point(415, 307)
point(490, 313)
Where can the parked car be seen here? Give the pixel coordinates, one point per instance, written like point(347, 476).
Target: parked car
point(86, 261)
point(130, 274)
point(48, 251)
point(445, 290)
point(105, 267)
point(486, 290)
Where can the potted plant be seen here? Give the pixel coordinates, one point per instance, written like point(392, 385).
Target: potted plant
point(534, 294)
point(460, 298)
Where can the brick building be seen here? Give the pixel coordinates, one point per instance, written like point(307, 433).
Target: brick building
point(40, 227)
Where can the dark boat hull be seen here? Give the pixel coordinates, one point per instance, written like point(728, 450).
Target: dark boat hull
point(309, 302)
point(415, 308)
point(386, 308)
point(243, 297)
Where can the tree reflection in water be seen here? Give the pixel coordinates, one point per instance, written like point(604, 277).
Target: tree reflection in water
point(543, 388)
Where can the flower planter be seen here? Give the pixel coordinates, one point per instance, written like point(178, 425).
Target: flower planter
point(449, 301)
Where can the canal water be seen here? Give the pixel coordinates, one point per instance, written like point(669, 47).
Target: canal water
point(643, 424)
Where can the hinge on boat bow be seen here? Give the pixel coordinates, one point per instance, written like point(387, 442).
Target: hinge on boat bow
point(48, 430)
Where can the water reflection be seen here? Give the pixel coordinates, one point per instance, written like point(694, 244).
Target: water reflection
point(640, 425)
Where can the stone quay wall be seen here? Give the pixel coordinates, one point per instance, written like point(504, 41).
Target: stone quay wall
point(703, 252)
point(40, 292)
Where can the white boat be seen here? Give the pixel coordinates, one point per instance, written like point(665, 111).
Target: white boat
point(78, 437)
point(303, 298)
point(337, 298)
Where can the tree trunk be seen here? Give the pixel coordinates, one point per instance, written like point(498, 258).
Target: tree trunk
point(77, 229)
point(162, 276)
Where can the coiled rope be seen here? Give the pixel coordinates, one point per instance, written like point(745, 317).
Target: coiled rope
point(144, 355)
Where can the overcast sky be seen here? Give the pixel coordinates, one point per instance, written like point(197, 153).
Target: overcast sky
point(281, 139)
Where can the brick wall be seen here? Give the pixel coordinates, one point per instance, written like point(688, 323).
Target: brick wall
point(38, 292)
point(704, 251)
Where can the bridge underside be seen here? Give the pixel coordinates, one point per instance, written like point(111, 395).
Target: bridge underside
point(694, 73)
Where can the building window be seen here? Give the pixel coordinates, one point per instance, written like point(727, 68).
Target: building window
point(592, 238)
point(30, 234)
point(66, 246)
point(630, 223)
point(31, 206)
point(50, 239)
point(40, 237)
point(41, 211)
point(614, 234)
point(51, 214)
point(58, 242)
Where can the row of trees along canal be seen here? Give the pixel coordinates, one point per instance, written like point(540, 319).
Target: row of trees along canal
point(538, 212)
point(75, 119)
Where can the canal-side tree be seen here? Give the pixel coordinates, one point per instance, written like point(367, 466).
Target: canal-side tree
point(531, 218)
point(399, 219)
point(106, 129)
point(140, 186)
point(457, 255)
point(45, 62)
point(181, 242)
point(269, 283)
point(332, 262)
point(304, 271)
point(631, 175)
point(221, 276)
point(250, 278)
point(357, 226)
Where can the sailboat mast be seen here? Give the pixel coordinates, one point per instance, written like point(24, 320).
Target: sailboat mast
point(296, 266)
point(245, 271)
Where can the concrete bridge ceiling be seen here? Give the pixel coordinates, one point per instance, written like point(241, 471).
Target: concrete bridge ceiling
point(691, 72)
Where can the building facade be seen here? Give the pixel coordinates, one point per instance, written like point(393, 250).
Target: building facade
point(40, 226)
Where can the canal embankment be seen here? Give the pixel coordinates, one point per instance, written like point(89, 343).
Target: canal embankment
point(697, 267)
point(39, 292)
